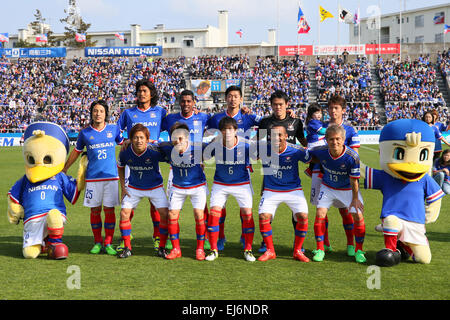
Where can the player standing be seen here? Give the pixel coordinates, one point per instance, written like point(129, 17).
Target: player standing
point(282, 184)
point(340, 188)
point(145, 181)
point(149, 114)
point(100, 140)
point(189, 180)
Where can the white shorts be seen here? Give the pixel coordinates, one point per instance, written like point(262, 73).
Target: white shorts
point(127, 175)
point(35, 230)
point(157, 197)
point(318, 143)
point(295, 200)
point(102, 192)
point(412, 232)
point(197, 195)
point(316, 182)
point(242, 193)
point(337, 198)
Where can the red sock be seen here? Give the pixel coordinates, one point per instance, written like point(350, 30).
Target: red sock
point(347, 222)
point(223, 216)
point(96, 224)
point(156, 219)
point(55, 235)
point(163, 233)
point(206, 219)
point(200, 230)
point(174, 233)
point(213, 229)
point(319, 230)
point(125, 231)
point(360, 232)
point(110, 224)
point(248, 230)
point(266, 231)
point(326, 241)
point(390, 238)
point(300, 233)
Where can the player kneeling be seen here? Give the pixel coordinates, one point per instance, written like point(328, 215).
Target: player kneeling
point(188, 181)
point(282, 184)
point(340, 188)
point(145, 181)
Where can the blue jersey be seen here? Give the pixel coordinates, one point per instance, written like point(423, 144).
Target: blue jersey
point(186, 167)
point(403, 199)
point(196, 124)
point(244, 121)
point(101, 151)
point(232, 165)
point(352, 138)
point(144, 167)
point(312, 131)
point(283, 175)
point(438, 166)
point(439, 137)
point(39, 198)
point(151, 118)
point(338, 171)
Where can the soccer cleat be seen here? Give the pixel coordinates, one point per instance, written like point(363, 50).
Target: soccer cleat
point(156, 243)
point(328, 248)
point(318, 255)
point(248, 255)
point(161, 252)
point(126, 252)
point(213, 255)
point(268, 255)
point(207, 245)
point(200, 254)
point(121, 246)
point(221, 244)
point(110, 250)
point(300, 256)
point(96, 249)
point(263, 247)
point(350, 250)
point(359, 256)
point(174, 253)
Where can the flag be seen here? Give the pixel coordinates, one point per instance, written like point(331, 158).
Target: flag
point(439, 18)
point(345, 15)
point(302, 25)
point(356, 19)
point(41, 37)
point(80, 37)
point(446, 29)
point(120, 36)
point(324, 14)
point(240, 33)
point(4, 37)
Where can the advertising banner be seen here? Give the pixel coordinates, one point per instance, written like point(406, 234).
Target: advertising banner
point(33, 52)
point(295, 50)
point(123, 51)
point(338, 50)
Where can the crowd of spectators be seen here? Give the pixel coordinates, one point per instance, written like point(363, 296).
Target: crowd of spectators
point(289, 75)
point(443, 62)
point(220, 67)
point(413, 110)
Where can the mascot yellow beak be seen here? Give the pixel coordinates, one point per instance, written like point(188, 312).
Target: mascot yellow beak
point(408, 171)
point(44, 156)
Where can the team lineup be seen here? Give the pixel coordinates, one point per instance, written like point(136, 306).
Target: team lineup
point(329, 153)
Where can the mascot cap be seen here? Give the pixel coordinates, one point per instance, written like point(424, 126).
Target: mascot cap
point(50, 129)
point(397, 130)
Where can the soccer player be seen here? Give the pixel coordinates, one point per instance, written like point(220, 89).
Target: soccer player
point(189, 180)
point(231, 178)
point(282, 184)
point(336, 109)
point(234, 100)
point(148, 113)
point(279, 102)
point(145, 181)
point(340, 188)
point(100, 140)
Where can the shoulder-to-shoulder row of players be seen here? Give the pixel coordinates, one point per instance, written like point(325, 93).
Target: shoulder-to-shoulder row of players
point(331, 152)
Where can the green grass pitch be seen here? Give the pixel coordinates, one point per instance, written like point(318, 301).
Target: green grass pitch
point(145, 276)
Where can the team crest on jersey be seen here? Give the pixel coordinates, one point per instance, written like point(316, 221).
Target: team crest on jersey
point(343, 166)
point(152, 115)
point(290, 127)
point(91, 138)
point(135, 116)
point(196, 122)
point(148, 160)
point(109, 134)
point(288, 159)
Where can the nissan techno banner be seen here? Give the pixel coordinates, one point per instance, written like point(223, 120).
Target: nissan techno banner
point(122, 51)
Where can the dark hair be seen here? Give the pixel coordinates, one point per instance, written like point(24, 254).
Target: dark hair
point(187, 93)
point(441, 158)
point(337, 99)
point(433, 117)
point(139, 127)
point(178, 125)
point(233, 88)
point(312, 108)
point(227, 121)
point(153, 91)
point(103, 104)
point(279, 94)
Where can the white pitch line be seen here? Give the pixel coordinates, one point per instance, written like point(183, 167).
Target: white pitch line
point(368, 148)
